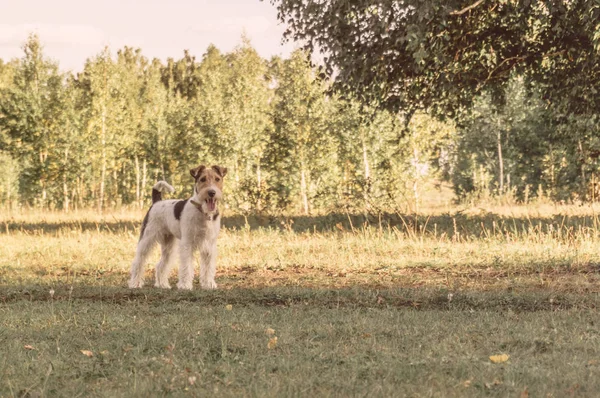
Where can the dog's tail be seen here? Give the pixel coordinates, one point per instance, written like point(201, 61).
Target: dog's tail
point(158, 189)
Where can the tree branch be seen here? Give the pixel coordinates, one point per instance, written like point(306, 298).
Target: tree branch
point(469, 8)
point(519, 59)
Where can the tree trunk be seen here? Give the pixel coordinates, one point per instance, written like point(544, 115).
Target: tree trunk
point(79, 192)
point(9, 195)
point(258, 185)
point(44, 195)
point(74, 198)
point(144, 177)
point(258, 176)
point(42, 180)
point(303, 189)
point(65, 186)
point(103, 142)
point(237, 170)
point(582, 164)
point(500, 162)
point(367, 174)
point(103, 170)
point(416, 178)
point(137, 181)
point(65, 195)
point(117, 198)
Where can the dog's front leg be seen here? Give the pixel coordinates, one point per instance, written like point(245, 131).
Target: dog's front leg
point(208, 266)
point(186, 266)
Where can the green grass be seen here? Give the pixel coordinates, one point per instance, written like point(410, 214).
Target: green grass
point(401, 306)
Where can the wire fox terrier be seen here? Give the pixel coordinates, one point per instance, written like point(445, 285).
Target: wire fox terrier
point(195, 222)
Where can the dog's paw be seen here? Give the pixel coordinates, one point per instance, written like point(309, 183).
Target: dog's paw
point(162, 285)
point(136, 284)
point(208, 285)
point(184, 286)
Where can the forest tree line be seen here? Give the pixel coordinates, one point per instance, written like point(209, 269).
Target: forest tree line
point(102, 137)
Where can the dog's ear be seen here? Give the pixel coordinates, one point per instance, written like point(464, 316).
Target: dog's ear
point(197, 171)
point(220, 170)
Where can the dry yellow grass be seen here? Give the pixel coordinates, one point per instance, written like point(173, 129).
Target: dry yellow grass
point(532, 248)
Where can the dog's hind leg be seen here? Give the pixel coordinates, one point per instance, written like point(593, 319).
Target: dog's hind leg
point(144, 246)
point(163, 267)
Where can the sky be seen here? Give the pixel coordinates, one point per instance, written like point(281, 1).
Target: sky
point(73, 30)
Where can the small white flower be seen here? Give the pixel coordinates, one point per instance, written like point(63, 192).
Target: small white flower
point(51, 293)
point(450, 295)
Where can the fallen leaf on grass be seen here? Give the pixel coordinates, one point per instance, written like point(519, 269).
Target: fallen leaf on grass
point(493, 384)
point(272, 343)
point(365, 335)
point(270, 332)
point(525, 393)
point(467, 383)
point(229, 307)
point(499, 358)
point(29, 347)
point(87, 353)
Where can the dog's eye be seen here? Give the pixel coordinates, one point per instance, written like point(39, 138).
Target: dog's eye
point(203, 179)
point(217, 179)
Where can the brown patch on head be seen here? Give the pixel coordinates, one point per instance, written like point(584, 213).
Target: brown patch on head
point(219, 170)
point(195, 172)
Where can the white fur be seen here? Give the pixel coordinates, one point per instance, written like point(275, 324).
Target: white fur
point(163, 186)
point(195, 230)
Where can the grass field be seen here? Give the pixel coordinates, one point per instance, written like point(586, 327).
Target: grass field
point(333, 305)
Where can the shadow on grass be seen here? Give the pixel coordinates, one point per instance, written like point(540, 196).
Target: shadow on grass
point(419, 299)
point(476, 226)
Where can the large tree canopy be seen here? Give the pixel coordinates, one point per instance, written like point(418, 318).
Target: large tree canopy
point(438, 54)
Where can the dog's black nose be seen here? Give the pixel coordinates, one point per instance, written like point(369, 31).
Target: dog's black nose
point(212, 193)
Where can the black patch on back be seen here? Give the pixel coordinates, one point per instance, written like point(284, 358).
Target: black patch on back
point(178, 208)
point(145, 222)
point(156, 195)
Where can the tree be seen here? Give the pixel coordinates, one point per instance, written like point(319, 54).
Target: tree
point(300, 147)
point(7, 70)
point(9, 166)
point(181, 76)
point(365, 139)
point(246, 111)
point(439, 54)
point(30, 115)
point(508, 147)
point(101, 94)
point(131, 94)
point(154, 136)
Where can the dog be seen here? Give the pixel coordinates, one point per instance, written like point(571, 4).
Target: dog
point(194, 222)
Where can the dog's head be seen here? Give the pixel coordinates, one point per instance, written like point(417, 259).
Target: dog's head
point(208, 188)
